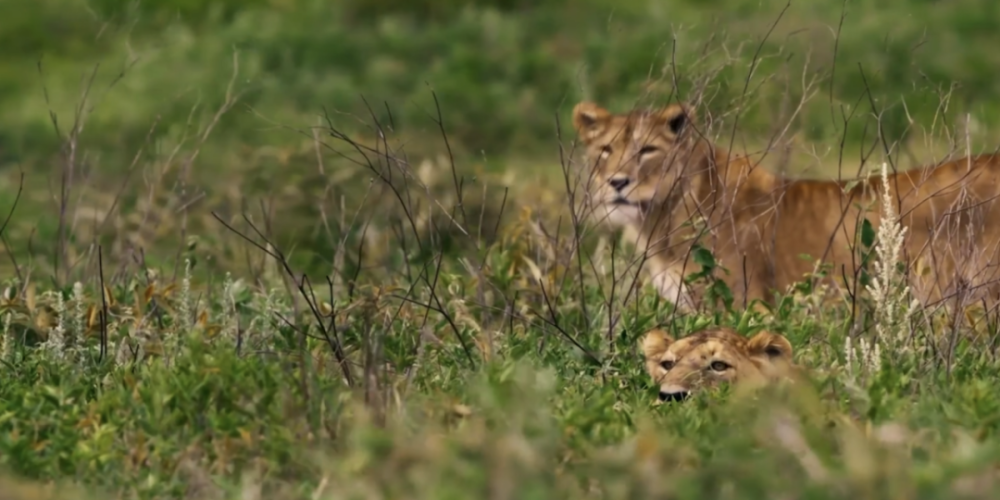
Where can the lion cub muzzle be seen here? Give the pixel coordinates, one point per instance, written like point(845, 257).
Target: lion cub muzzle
point(673, 394)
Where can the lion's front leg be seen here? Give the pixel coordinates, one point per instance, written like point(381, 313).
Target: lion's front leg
point(669, 283)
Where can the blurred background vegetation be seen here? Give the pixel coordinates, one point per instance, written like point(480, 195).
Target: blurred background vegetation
point(146, 173)
point(140, 127)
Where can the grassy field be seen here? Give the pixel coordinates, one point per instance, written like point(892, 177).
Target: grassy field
point(306, 249)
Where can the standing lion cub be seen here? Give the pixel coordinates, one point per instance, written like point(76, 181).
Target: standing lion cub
point(714, 356)
point(653, 172)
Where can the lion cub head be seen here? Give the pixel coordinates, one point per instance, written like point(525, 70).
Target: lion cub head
point(713, 356)
point(637, 158)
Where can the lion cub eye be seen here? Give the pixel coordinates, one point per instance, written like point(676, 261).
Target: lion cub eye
point(605, 152)
point(719, 366)
point(666, 365)
point(646, 150)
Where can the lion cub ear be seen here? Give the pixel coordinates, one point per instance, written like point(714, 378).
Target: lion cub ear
point(770, 345)
point(589, 119)
point(654, 343)
point(677, 118)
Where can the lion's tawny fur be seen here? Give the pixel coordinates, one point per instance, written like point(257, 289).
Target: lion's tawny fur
point(652, 171)
point(712, 356)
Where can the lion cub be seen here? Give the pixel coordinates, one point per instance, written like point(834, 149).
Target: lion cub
point(713, 356)
point(653, 171)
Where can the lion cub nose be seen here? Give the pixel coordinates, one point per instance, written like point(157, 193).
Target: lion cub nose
point(671, 397)
point(619, 183)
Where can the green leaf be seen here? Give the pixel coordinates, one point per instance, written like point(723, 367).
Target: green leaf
point(867, 233)
point(703, 257)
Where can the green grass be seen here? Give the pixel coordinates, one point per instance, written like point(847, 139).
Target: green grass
point(499, 74)
point(239, 401)
point(437, 349)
